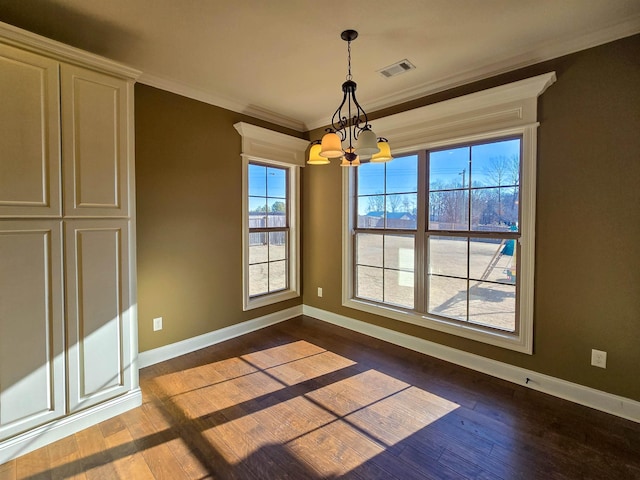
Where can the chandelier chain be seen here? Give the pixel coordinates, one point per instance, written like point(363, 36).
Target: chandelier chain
point(349, 76)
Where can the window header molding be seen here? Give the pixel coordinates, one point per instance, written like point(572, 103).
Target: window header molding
point(263, 144)
point(513, 105)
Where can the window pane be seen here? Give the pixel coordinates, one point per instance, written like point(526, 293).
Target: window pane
point(258, 279)
point(258, 251)
point(449, 210)
point(257, 205)
point(447, 256)
point(277, 275)
point(493, 305)
point(369, 250)
point(496, 164)
point(369, 283)
point(494, 209)
point(371, 179)
point(257, 180)
point(399, 252)
point(493, 260)
point(398, 288)
point(449, 169)
point(402, 175)
point(447, 297)
point(401, 211)
point(277, 213)
point(368, 214)
point(277, 246)
point(276, 182)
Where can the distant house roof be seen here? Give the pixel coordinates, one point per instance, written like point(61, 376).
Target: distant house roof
point(392, 215)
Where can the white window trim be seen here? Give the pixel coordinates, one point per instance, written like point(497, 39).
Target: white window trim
point(280, 150)
point(508, 110)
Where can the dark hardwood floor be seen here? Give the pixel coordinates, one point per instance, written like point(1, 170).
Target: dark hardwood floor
point(308, 400)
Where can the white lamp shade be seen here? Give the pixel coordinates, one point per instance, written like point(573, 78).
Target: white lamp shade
point(384, 155)
point(314, 155)
point(367, 143)
point(331, 146)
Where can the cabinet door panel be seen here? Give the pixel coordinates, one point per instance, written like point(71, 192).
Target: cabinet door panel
point(95, 150)
point(29, 136)
point(31, 325)
point(98, 310)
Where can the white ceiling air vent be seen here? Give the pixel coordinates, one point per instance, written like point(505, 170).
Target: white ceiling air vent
point(397, 68)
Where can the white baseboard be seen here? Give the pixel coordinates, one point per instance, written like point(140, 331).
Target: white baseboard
point(597, 399)
point(167, 352)
point(58, 429)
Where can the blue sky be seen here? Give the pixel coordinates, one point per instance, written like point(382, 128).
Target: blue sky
point(446, 167)
point(267, 185)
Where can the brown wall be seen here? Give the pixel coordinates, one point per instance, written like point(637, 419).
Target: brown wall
point(588, 221)
point(189, 222)
point(587, 287)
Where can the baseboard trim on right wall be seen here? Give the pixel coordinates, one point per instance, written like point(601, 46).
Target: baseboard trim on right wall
point(589, 397)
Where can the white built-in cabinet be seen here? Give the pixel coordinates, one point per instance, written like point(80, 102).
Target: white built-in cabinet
point(67, 241)
point(32, 363)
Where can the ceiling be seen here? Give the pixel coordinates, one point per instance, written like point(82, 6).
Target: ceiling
point(284, 61)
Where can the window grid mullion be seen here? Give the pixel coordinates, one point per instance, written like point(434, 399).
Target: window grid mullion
point(469, 223)
point(384, 243)
point(420, 239)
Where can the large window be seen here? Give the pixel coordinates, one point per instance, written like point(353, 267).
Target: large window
point(436, 233)
point(443, 236)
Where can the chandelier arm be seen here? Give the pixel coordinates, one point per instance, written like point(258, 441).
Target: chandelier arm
point(359, 116)
point(338, 121)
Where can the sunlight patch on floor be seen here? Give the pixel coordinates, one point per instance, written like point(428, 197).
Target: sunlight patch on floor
point(281, 354)
point(333, 429)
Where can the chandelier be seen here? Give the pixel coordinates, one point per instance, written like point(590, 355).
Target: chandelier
point(350, 136)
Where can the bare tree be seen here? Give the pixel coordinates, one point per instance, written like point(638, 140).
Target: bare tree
point(504, 171)
point(375, 203)
point(393, 202)
point(408, 204)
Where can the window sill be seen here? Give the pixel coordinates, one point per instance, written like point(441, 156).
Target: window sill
point(506, 340)
point(269, 299)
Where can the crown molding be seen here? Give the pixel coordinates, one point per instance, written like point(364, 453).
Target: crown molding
point(541, 53)
point(220, 101)
point(24, 39)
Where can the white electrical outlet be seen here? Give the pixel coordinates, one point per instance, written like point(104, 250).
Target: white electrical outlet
point(157, 324)
point(319, 291)
point(599, 358)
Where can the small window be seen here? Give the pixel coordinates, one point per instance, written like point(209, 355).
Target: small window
point(268, 229)
point(271, 163)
